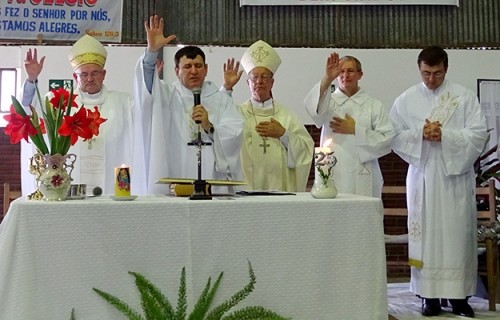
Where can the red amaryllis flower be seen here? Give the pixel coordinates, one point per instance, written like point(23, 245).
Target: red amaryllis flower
point(61, 99)
point(56, 125)
point(95, 116)
point(18, 127)
point(77, 125)
point(42, 127)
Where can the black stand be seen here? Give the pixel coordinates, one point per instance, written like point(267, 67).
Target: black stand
point(201, 187)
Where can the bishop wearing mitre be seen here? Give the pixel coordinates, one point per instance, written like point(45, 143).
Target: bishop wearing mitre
point(97, 157)
point(276, 150)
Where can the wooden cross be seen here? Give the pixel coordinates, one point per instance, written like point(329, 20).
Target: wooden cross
point(264, 144)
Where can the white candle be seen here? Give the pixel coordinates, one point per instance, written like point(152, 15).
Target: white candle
point(317, 151)
point(325, 150)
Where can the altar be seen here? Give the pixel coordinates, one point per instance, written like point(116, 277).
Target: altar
point(313, 258)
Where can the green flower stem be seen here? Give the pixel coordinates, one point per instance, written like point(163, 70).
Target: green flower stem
point(324, 176)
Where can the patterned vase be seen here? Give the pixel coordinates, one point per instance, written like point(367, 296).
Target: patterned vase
point(55, 179)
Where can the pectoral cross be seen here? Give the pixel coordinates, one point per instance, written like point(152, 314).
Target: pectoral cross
point(90, 143)
point(264, 144)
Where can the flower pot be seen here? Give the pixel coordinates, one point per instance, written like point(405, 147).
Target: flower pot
point(55, 179)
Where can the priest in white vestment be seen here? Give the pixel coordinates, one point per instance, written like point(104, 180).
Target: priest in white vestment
point(98, 157)
point(440, 132)
point(276, 150)
point(355, 125)
point(168, 118)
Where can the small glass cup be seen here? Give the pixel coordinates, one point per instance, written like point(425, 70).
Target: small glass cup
point(77, 191)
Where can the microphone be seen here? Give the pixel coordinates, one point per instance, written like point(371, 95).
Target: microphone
point(97, 191)
point(197, 99)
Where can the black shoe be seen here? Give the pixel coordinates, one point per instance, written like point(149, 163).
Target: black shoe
point(431, 307)
point(462, 308)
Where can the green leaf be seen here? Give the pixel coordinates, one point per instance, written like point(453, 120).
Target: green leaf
point(64, 145)
point(68, 107)
point(153, 302)
point(156, 306)
point(239, 296)
point(254, 313)
point(120, 305)
point(205, 300)
point(50, 126)
point(181, 298)
point(18, 107)
point(40, 143)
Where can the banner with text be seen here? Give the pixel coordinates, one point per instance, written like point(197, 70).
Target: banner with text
point(346, 2)
point(61, 19)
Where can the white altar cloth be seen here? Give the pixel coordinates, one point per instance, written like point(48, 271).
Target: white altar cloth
point(313, 259)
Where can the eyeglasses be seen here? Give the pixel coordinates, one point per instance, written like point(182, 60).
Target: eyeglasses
point(86, 75)
point(349, 72)
point(262, 78)
point(437, 74)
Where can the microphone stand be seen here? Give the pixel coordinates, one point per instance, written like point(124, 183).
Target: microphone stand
point(201, 192)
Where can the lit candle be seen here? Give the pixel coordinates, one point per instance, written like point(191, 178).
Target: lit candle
point(317, 156)
point(122, 181)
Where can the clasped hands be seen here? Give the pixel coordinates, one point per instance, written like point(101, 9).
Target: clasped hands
point(270, 129)
point(345, 125)
point(432, 130)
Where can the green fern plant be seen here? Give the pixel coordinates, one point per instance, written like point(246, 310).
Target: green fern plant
point(156, 306)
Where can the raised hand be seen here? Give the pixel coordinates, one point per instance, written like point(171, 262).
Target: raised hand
point(32, 67)
point(154, 32)
point(232, 73)
point(332, 71)
point(332, 68)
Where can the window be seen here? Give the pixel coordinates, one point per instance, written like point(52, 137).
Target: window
point(8, 88)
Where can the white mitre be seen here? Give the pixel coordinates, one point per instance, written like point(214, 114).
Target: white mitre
point(260, 54)
point(87, 50)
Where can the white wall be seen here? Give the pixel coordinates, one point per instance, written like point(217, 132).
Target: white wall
point(387, 72)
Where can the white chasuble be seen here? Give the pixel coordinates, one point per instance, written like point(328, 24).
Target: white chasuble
point(357, 170)
point(442, 214)
point(269, 163)
point(163, 129)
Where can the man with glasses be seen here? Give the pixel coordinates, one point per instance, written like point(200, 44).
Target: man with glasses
point(97, 157)
point(354, 124)
point(276, 150)
point(168, 118)
point(440, 132)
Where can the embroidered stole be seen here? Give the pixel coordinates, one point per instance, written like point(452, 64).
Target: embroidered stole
point(92, 162)
point(444, 107)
